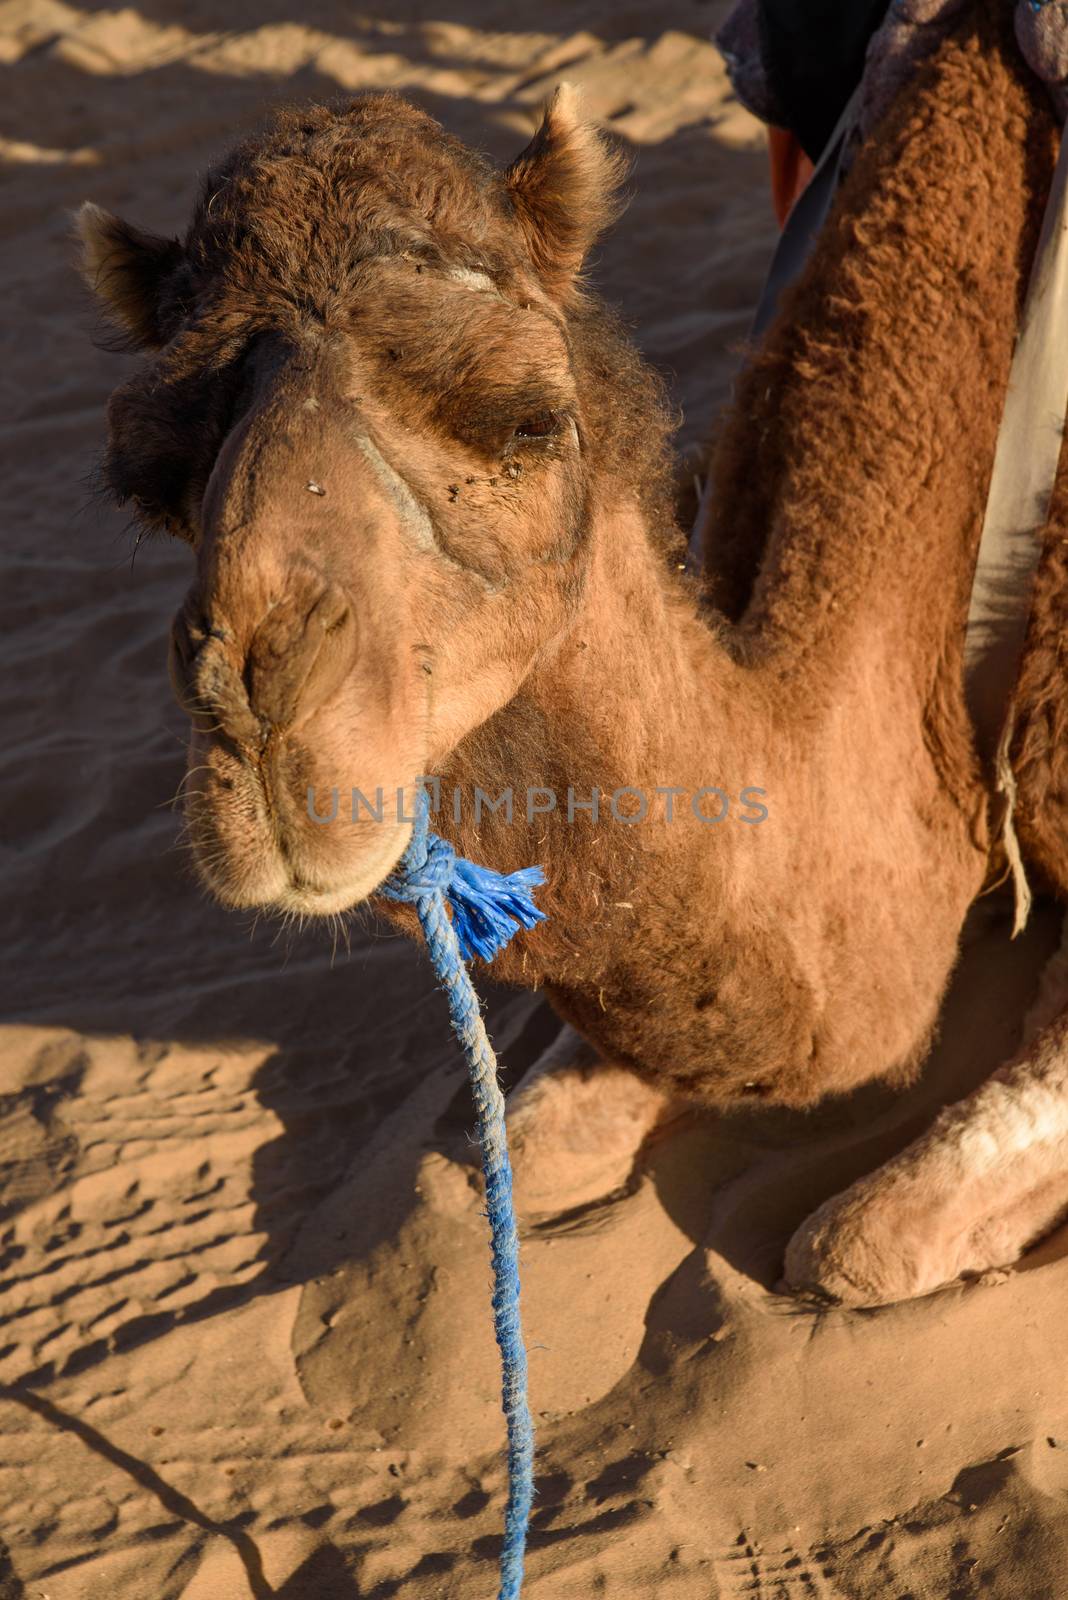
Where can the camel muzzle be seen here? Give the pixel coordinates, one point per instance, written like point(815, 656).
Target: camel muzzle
point(298, 658)
point(288, 698)
point(297, 679)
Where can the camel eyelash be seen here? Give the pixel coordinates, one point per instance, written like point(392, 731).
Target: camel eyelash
point(539, 428)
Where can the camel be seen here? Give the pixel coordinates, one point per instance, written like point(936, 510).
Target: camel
point(428, 492)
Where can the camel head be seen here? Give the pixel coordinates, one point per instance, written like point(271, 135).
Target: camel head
point(370, 404)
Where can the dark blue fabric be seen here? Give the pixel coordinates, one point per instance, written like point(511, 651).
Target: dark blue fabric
point(813, 52)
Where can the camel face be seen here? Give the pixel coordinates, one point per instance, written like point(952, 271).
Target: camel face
point(361, 413)
point(379, 560)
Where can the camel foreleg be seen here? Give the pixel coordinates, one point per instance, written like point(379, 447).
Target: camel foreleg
point(985, 1182)
point(576, 1125)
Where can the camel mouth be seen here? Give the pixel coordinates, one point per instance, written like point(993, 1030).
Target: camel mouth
point(256, 845)
point(299, 897)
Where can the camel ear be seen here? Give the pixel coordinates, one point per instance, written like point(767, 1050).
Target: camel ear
point(126, 268)
point(564, 190)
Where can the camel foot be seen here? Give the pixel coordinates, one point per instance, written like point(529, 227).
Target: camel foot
point(575, 1127)
point(935, 1214)
point(986, 1182)
point(863, 1248)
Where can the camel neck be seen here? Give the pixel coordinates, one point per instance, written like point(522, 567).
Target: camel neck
point(634, 733)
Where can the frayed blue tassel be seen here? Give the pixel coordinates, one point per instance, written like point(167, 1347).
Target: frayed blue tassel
point(488, 907)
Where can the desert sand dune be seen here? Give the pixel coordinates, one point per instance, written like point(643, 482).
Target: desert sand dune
point(246, 1347)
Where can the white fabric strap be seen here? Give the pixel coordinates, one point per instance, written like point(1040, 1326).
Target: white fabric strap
point(1017, 509)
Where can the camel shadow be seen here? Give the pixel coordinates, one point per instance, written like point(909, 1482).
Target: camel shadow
point(320, 1091)
point(324, 1575)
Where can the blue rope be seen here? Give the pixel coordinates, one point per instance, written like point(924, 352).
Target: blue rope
point(487, 909)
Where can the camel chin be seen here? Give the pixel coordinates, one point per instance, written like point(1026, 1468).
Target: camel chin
point(304, 900)
point(257, 873)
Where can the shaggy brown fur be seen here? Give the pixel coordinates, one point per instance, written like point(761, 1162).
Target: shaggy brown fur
point(426, 484)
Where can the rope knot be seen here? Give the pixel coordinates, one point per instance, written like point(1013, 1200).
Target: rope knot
point(487, 907)
point(414, 879)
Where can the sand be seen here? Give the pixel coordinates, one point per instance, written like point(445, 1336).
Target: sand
point(246, 1348)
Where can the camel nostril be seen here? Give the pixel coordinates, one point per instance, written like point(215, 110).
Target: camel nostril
point(299, 655)
point(190, 631)
point(204, 679)
point(181, 644)
point(218, 694)
point(181, 655)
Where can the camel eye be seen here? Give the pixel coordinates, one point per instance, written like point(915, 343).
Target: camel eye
point(542, 426)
